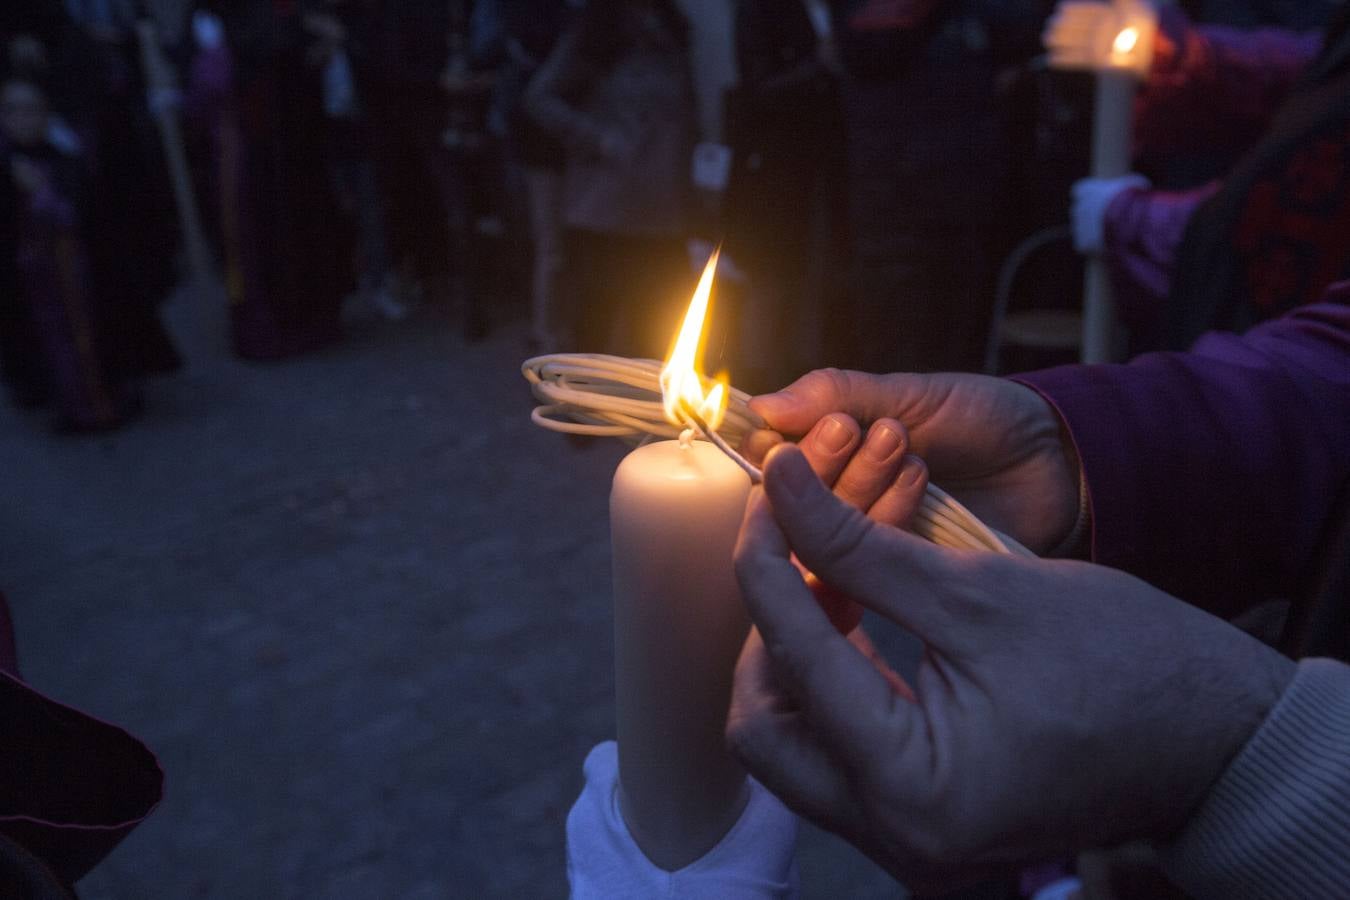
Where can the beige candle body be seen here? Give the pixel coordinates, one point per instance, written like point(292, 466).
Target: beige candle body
point(1112, 147)
point(679, 624)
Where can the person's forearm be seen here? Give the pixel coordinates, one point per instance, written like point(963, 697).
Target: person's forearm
point(1223, 83)
point(565, 73)
point(1142, 232)
point(1277, 823)
point(1211, 473)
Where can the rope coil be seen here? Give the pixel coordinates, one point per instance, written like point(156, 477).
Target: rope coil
point(613, 396)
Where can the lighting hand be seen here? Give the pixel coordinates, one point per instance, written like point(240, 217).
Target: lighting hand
point(873, 473)
point(1058, 704)
point(1081, 34)
point(996, 445)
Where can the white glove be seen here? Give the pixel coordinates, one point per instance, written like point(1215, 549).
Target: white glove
point(1082, 34)
point(207, 30)
point(754, 861)
point(1091, 197)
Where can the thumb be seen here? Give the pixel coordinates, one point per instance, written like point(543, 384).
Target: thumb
point(893, 573)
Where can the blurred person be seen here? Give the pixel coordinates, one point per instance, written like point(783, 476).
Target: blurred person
point(339, 31)
point(406, 110)
point(531, 32)
point(1274, 232)
point(253, 92)
point(1059, 704)
point(785, 216)
point(618, 94)
point(132, 228)
point(51, 338)
point(927, 174)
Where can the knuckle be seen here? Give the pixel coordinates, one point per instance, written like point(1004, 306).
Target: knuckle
point(847, 536)
point(747, 736)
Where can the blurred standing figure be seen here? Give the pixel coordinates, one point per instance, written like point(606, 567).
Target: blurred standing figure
point(262, 105)
point(132, 229)
point(532, 30)
point(50, 346)
point(618, 94)
point(786, 210)
point(340, 55)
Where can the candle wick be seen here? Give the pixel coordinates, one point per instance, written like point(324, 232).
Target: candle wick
point(756, 476)
point(686, 438)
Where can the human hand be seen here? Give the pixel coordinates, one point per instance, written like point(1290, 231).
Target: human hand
point(325, 26)
point(872, 473)
point(613, 145)
point(994, 444)
point(1085, 34)
point(207, 30)
point(1087, 213)
point(28, 176)
point(1058, 705)
point(26, 51)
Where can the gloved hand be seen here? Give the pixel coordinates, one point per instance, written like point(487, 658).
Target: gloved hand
point(1091, 198)
point(754, 861)
point(1082, 34)
point(207, 30)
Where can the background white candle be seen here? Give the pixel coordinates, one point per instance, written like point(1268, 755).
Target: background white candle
point(679, 624)
point(1112, 143)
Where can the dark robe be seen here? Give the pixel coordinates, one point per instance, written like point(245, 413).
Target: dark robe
point(71, 787)
point(1278, 233)
point(50, 334)
point(287, 252)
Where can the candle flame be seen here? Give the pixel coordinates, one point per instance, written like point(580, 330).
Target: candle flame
point(680, 378)
point(1126, 41)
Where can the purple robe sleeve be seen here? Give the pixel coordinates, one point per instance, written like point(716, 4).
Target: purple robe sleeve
point(1211, 474)
point(72, 787)
point(1143, 231)
point(1220, 85)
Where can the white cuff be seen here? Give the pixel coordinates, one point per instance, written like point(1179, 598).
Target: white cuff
point(755, 860)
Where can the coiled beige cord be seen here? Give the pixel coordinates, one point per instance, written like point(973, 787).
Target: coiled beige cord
point(613, 396)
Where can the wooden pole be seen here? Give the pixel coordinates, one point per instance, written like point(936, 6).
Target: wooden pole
point(1112, 141)
point(158, 76)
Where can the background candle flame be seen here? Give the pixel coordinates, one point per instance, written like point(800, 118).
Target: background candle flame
point(1126, 41)
point(680, 378)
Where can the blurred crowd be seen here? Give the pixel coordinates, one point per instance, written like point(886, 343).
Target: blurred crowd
point(865, 165)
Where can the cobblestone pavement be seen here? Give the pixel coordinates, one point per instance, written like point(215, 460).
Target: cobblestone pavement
point(356, 603)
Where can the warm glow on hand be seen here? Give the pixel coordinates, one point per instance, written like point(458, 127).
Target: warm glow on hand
point(1093, 36)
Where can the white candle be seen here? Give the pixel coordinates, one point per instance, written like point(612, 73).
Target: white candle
point(679, 624)
point(1112, 143)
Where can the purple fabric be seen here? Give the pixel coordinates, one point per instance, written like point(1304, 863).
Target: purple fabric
point(53, 264)
point(1221, 85)
point(1212, 473)
point(1142, 234)
point(72, 786)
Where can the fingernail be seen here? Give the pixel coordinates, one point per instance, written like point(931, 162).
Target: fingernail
point(792, 469)
point(882, 443)
point(834, 435)
point(912, 468)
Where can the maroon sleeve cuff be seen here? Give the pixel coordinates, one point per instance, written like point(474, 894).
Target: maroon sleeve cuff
point(73, 786)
